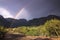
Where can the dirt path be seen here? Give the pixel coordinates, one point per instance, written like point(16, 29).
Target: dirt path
point(23, 37)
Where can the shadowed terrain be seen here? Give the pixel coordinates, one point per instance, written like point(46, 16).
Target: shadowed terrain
point(23, 37)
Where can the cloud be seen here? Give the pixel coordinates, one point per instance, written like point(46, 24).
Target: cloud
point(5, 13)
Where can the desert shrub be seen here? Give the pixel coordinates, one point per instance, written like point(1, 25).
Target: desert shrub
point(33, 31)
point(43, 31)
point(21, 30)
point(2, 32)
point(53, 27)
point(50, 28)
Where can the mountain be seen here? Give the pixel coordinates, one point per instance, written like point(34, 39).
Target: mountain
point(15, 22)
point(42, 20)
point(10, 22)
point(4, 22)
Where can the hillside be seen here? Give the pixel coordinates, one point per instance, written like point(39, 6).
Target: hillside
point(9, 22)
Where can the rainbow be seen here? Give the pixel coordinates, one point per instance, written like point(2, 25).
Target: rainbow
point(17, 15)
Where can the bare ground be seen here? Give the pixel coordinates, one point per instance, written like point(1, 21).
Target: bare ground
point(23, 37)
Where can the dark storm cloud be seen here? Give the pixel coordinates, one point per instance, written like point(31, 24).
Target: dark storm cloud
point(39, 8)
point(35, 8)
point(13, 6)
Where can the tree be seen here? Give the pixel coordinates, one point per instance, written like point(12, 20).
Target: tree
point(53, 27)
point(2, 32)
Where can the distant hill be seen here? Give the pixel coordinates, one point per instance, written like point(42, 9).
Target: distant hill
point(4, 22)
point(9, 22)
point(15, 22)
point(42, 20)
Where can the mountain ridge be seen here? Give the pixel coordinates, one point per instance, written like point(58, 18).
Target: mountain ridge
point(10, 22)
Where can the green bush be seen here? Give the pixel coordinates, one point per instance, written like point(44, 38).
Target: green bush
point(2, 32)
point(33, 31)
point(53, 27)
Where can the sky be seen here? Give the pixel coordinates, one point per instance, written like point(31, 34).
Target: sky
point(29, 9)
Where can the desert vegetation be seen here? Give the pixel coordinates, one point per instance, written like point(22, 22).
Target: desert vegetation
point(51, 28)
